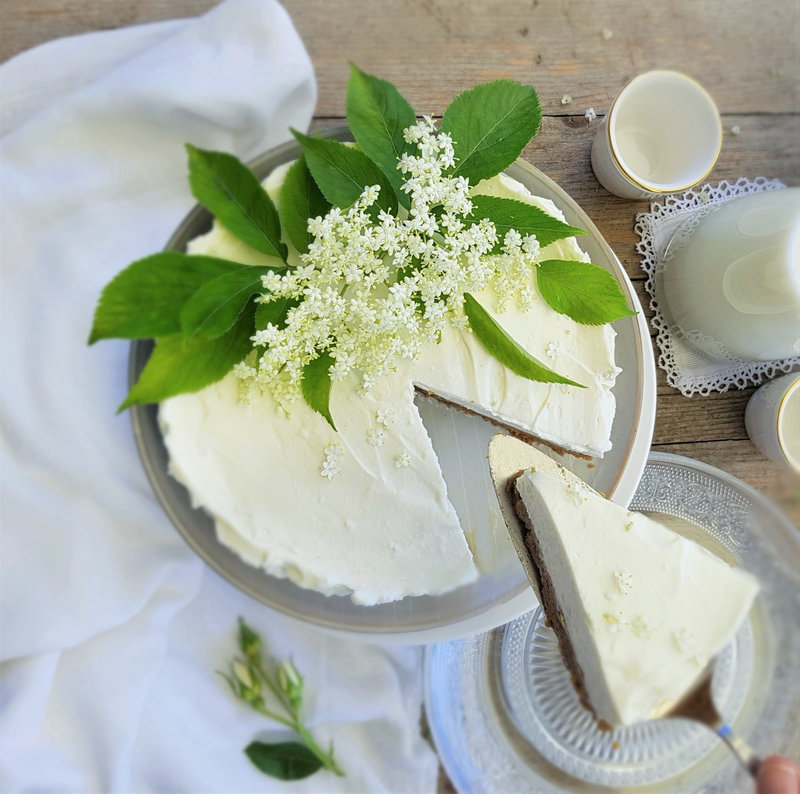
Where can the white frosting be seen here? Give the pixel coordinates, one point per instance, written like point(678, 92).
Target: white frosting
point(378, 530)
point(645, 608)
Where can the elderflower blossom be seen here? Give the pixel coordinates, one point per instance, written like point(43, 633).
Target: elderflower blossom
point(375, 288)
point(402, 460)
point(329, 469)
point(386, 416)
point(376, 437)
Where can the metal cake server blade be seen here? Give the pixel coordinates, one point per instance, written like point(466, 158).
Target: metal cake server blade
point(698, 705)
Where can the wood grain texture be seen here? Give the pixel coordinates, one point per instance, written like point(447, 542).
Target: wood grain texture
point(434, 48)
point(744, 52)
point(27, 23)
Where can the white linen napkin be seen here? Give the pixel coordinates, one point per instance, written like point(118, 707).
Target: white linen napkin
point(110, 627)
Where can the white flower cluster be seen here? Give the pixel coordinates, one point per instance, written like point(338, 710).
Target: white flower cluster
point(374, 288)
point(624, 581)
point(402, 460)
point(331, 465)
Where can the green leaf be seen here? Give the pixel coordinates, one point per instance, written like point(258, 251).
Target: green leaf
point(232, 193)
point(586, 293)
point(377, 114)
point(316, 385)
point(342, 172)
point(215, 307)
point(490, 126)
point(505, 349)
point(274, 312)
point(180, 364)
point(283, 760)
point(144, 300)
point(301, 199)
point(508, 214)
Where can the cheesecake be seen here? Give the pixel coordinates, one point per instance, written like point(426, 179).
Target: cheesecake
point(638, 609)
point(363, 511)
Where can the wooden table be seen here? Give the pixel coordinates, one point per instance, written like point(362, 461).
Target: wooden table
point(745, 53)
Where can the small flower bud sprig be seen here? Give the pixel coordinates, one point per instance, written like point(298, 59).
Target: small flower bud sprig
point(276, 691)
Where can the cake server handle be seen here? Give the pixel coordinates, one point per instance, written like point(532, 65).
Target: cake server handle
point(698, 704)
point(740, 748)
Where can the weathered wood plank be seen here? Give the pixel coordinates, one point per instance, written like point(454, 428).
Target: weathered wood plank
point(434, 48)
point(744, 53)
point(27, 23)
point(716, 417)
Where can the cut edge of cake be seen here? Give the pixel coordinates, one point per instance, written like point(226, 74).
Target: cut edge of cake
point(555, 617)
point(509, 458)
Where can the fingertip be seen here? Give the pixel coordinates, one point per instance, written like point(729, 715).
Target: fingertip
point(778, 775)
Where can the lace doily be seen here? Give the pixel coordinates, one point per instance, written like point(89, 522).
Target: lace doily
point(688, 369)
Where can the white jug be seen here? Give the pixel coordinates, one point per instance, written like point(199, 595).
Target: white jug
point(732, 282)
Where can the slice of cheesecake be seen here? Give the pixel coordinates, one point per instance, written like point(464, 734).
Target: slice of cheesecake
point(638, 609)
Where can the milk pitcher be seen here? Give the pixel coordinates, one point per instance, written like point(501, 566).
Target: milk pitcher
point(731, 278)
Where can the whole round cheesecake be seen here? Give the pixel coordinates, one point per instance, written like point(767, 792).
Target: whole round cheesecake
point(363, 510)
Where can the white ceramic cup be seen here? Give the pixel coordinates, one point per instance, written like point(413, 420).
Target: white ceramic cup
point(772, 419)
point(663, 134)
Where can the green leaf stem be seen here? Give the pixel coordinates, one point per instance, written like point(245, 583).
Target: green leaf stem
point(144, 300)
point(490, 126)
point(342, 172)
point(508, 214)
point(216, 306)
point(316, 385)
point(377, 114)
point(274, 312)
point(283, 760)
point(301, 199)
point(180, 364)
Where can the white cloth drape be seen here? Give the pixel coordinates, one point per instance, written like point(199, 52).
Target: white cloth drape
point(110, 627)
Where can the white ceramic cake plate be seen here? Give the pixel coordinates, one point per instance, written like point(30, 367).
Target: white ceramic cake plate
point(505, 717)
point(502, 592)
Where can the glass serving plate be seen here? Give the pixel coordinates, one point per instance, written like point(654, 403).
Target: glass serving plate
point(501, 593)
point(504, 714)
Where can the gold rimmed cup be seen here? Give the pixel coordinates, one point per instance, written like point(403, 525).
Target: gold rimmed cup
point(772, 419)
point(663, 134)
